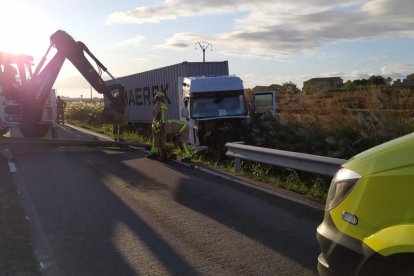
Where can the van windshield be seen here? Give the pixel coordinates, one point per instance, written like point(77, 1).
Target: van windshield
point(204, 105)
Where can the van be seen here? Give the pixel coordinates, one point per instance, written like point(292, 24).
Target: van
point(368, 226)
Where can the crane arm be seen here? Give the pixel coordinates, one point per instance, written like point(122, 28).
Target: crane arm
point(43, 79)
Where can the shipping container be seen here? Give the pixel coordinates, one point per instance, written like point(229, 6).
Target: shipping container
point(142, 87)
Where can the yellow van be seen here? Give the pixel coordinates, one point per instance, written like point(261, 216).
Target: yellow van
point(368, 227)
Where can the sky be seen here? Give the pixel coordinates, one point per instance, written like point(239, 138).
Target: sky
point(265, 42)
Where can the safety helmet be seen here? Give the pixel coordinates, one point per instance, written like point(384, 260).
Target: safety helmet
point(159, 95)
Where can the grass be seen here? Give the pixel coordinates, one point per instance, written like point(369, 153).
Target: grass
point(311, 186)
point(106, 129)
point(308, 185)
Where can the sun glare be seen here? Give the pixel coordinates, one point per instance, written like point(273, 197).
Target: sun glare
point(23, 29)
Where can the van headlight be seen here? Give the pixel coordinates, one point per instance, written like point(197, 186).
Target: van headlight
point(342, 183)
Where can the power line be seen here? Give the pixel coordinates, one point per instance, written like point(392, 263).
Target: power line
point(204, 45)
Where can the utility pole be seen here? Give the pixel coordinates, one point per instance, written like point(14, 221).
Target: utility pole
point(204, 45)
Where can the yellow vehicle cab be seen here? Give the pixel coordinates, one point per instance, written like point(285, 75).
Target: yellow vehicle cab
point(368, 226)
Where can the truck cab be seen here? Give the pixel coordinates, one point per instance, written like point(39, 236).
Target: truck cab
point(217, 110)
point(15, 77)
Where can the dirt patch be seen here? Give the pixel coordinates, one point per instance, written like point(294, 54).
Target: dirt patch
point(16, 252)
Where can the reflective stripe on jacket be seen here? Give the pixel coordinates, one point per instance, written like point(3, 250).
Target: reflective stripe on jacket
point(182, 123)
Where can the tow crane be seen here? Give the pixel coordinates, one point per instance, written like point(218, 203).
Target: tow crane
point(24, 93)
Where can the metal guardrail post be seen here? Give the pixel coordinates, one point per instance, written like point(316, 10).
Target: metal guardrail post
point(294, 160)
point(237, 165)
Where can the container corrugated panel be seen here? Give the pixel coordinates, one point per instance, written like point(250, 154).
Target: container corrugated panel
point(141, 87)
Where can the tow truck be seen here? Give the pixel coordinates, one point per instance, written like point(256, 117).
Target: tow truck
point(24, 93)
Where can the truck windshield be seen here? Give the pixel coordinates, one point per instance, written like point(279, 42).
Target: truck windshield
point(204, 105)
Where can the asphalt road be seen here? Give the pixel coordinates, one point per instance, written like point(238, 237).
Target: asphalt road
point(97, 211)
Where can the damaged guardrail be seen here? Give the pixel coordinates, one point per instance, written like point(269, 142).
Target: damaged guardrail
point(294, 160)
point(8, 142)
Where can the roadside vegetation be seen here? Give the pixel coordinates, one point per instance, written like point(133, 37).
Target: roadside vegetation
point(338, 124)
point(88, 116)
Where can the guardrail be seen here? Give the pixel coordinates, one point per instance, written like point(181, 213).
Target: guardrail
point(294, 160)
point(9, 142)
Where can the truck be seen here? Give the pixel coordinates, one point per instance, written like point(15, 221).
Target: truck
point(25, 95)
point(217, 110)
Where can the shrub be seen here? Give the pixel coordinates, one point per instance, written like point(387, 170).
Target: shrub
point(337, 124)
point(85, 112)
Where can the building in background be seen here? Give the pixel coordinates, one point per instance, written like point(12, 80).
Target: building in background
point(407, 82)
point(272, 87)
point(323, 84)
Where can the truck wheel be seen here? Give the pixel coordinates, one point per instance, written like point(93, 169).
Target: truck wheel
point(4, 131)
point(34, 130)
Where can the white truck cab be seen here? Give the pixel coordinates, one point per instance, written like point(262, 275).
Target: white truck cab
point(216, 107)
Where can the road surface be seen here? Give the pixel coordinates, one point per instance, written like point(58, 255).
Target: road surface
point(95, 211)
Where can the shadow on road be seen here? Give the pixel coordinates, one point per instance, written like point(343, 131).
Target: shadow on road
point(107, 212)
point(81, 214)
point(286, 227)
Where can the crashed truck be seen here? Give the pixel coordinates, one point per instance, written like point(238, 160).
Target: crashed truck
point(217, 106)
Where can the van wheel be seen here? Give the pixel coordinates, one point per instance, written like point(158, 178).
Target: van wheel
point(396, 265)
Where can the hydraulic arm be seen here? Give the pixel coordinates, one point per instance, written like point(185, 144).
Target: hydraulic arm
point(43, 79)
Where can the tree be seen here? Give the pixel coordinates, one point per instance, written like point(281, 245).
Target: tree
point(376, 80)
point(388, 81)
point(362, 82)
point(350, 85)
point(309, 87)
point(248, 94)
point(290, 87)
point(372, 80)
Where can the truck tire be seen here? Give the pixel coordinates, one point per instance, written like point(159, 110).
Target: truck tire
point(4, 131)
point(34, 130)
